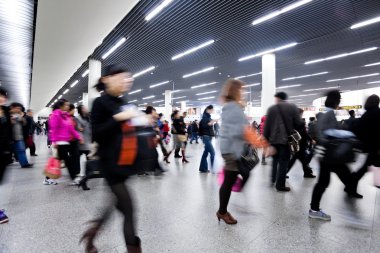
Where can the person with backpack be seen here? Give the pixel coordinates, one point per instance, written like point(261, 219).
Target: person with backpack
point(206, 131)
point(194, 132)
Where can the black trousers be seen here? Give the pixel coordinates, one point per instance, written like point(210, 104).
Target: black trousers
point(70, 154)
point(280, 165)
point(3, 164)
point(301, 156)
point(342, 171)
point(32, 148)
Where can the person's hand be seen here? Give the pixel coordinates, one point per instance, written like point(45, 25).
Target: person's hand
point(1, 112)
point(313, 142)
point(81, 141)
point(126, 115)
point(271, 151)
point(80, 129)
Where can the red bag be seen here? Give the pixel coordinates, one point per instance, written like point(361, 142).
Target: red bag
point(29, 141)
point(53, 168)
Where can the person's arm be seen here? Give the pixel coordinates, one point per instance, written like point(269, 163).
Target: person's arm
point(268, 124)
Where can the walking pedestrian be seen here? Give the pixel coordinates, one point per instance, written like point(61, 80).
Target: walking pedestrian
point(206, 131)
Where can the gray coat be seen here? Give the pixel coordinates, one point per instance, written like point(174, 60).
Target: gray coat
point(85, 134)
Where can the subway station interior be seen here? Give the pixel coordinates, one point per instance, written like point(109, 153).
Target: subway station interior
point(189, 126)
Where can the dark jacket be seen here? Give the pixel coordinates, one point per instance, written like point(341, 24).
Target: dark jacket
point(305, 137)
point(350, 123)
point(204, 127)
point(194, 127)
point(179, 126)
point(312, 129)
point(275, 128)
point(29, 127)
point(5, 130)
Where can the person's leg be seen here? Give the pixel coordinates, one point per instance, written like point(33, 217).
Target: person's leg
point(263, 162)
point(63, 154)
point(225, 190)
point(212, 155)
point(20, 151)
point(292, 161)
point(75, 158)
point(283, 162)
point(32, 148)
point(275, 164)
point(360, 173)
point(320, 187)
point(204, 165)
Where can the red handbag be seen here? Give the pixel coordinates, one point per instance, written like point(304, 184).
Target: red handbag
point(29, 141)
point(53, 168)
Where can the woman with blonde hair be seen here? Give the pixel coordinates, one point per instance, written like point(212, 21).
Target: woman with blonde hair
point(235, 133)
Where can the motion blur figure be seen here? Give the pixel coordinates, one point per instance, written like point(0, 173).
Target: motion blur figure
point(29, 130)
point(179, 135)
point(206, 131)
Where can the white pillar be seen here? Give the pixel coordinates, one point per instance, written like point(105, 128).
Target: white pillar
point(268, 81)
point(183, 106)
point(85, 99)
point(95, 72)
point(168, 104)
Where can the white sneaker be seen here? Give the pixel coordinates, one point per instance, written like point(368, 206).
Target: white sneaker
point(49, 182)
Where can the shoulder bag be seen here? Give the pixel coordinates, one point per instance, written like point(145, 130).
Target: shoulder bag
point(293, 137)
point(248, 159)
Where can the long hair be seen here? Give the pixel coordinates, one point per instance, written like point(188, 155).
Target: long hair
point(231, 91)
point(174, 113)
point(59, 103)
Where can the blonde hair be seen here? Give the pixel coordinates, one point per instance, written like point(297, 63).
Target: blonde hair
point(231, 91)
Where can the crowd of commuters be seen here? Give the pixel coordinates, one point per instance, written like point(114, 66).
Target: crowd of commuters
point(125, 141)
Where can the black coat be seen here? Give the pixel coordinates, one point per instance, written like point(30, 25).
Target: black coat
point(5, 130)
point(204, 127)
point(179, 126)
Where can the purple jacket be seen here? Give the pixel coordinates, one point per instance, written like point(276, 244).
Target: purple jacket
point(61, 127)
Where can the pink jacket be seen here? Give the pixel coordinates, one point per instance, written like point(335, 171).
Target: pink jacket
point(61, 127)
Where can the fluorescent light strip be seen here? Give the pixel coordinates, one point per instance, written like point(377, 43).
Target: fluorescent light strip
point(74, 83)
point(279, 12)
point(204, 93)
point(60, 96)
point(351, 77)
point(251, 85)
point(143, 71)
point(205, 98)
point(67, 90)
point(268, 51)
point(179, 97)
point(158, 84)
point(148, 97)
point(305, 95)
point(373, 82)
point(199, 72)
point(143, 104)
point(303, 76)
point(133, 101)
point(191, 50)
point(245, 76)
point(85, 73)
point(157, 10)
point(55, 101)
point(325, 88)
point(135, 91)
point(118, 44)
point(366, 22)
point(202, 85)
point(289, 86)
point(341, 55)
point(158, 101)
point(372, 64)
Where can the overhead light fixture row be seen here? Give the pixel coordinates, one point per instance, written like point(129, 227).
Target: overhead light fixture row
point(251, 85)
point(85, 73)
point(304, 95)
point(67, 90)
point(112, 49)
point(135, 91)
point(268, 51)
point(133, 101)
point(143, 71)
point(245, 76)
point(199, 72)
point(148, 97)
point(179, 97)
point(74, 83)
point(325, 88)
point(158, 84)
point(192, 50)
point(373, 82)
point(204, 93)
point(158, 101)
point(304, 76)
point(157, 10)
point(205, 98)
point(351, 77)
point(366, 22)
point(289, 86)
point(372, 64)
point(342, 55)
point(202, 85)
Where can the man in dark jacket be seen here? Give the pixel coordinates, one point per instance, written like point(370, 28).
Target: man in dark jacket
point(281, 121)
point(29, 129)
point(206, 130)
point(194, 132)
point(349, 123)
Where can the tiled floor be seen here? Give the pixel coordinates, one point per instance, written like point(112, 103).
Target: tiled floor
point(176, 213)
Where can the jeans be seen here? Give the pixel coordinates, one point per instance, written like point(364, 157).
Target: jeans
point(280, 165)
point(19, 147)
point(194, 136)
point(208, 149)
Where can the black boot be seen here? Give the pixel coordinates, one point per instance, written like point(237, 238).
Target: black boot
point(176, 153)
point(135, 248)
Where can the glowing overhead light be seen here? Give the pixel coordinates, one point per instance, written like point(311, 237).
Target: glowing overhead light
point(55, 101)
point(351, 77)
point(344, 91)
point(67, 90)
point(144, 71)
point(204, 93)
point(85, 73)
point(158, 101)
point(304, 95)
point(158, 84)
point(179, 97)
point(80, 101)
point(133, 101)
point(247, 92)
point(342, 55)
point(366, 22)
point(135, 91)
point(205, 98)
point(60, 96)
point(245, 76)
point(281, 11)
point(372, 64)
point(304, 76)
point(74, 83)
point(148, 97)
point(191, 50)
point(143, 104)
point(289, 86)
point(175, 91)
point(325, 88)
point(202, 85)
point(112, 49)
point(199, 72)
point(157, 10)
point(251, 85)
point(373, 82)
point(268, 51)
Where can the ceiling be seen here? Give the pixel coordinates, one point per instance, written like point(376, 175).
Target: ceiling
point(321, 29)
point(16, 44)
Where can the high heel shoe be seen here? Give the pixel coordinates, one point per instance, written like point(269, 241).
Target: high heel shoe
point(227, 218)
point(184, 160)
point(89, 237)
point(166, 159)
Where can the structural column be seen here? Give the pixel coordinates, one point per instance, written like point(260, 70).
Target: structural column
point(95, 72)
point(268, 81)
point(183, 106)
point(168, 104)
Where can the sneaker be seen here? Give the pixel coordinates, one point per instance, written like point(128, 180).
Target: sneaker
point(29, 165)
point(49, 182)
point(309, 176)
point(319, 215)
point(283, 189)
point(3, 217)
point(263, 162)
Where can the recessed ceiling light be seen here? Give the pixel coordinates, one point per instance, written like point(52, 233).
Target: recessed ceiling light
point(279, 12)
point(204, 93)
point(179, 97)
point(304, 95)
point(342, 55)
point(205, 98)
point(133, 101)
point(191, 50)
point(325, 88)
point(351, 77)
point(135, 91)
point(254, 74)
point(289, 86)
point(80, 101)
point(67, 90)
point(304, 76)
point(112, 49)
point(85, 73)
point(143, 71)
point(158, 9)
point(373, 82)
point(74, 83)
point(251, 85)
point(148, 97)
point(199, 72)
point(268, 51)
point(372, 64)
point(202, 85)
point(158, 101)
point(143, 104)
point(60, 96)
point(158, 84)
point(366, 22)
